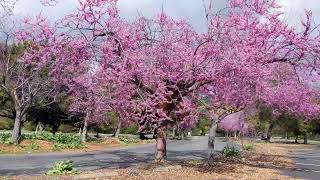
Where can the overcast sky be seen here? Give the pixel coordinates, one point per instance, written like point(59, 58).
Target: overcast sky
point(190, 9)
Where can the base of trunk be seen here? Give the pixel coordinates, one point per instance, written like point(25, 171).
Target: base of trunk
point(161, 145)
point(16, 132)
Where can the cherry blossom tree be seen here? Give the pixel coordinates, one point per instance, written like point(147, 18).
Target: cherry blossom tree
point(154, 70)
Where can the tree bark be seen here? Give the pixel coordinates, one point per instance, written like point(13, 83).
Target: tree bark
point(174, 133)
point(212, 137)
point(117, 131)
point(39, 127)
point(84, 132)
point(97, 131)
point(161, 144)
point(305, 138)
point(16, 132)
point(269, 132)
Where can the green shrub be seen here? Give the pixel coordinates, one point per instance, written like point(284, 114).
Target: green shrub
point(231, 151)
point(35, 145)
point(133, 129)
point(6, 124)
point(196, 132)
point(5, 138)
point(62, 168)
point(248, 147)
point(66, 128)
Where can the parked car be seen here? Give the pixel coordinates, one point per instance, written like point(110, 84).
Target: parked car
point(264, 137)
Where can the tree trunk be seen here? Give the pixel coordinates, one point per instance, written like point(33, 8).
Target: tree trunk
point(296, 140)
point(84, 132)
point(212, 138)
point(16, 132)
point(117, 131)
point(305, 138)
point(54, 128)
point(39, 127)
point(269, 133)
point(161, 144)
point(97, 132)
point(174, 133)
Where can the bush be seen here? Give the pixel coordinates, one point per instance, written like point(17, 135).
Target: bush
point(6, 124)
point(62, 168)
point(35, 145)
point(66, 128)
point(133, 129)
point(248, 147)
point(196, 132)
point(5, 138)
point(231, 151)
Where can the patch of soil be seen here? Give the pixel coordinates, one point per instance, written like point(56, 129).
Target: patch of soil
point(26, 147)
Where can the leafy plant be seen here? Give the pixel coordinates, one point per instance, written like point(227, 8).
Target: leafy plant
point(35, 145)
point(231, 151)
point(5, 138)
point(62, 168)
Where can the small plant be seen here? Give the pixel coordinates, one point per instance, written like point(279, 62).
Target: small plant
point(62, 168)
point(248, 147)
point(128, 140)
point(231, 151)
point(5, 138)
point(35, 145)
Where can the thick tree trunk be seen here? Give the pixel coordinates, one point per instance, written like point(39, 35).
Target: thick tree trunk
point(16, 132)
point(296, 139)
point(269, 133)
point(117, 131)
point(84, 132)
point(161, 144)
point(305, 138)
point(212, 137)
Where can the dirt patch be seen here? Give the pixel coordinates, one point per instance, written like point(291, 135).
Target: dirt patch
point(27, 146)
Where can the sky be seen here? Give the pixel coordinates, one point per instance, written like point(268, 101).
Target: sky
point(190, 9)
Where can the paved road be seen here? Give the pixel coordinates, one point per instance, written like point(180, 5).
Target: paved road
point(117, 158)
point(307, 164)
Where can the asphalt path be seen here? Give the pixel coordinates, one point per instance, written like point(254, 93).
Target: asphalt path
point(34, 164)
point(307, 164)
